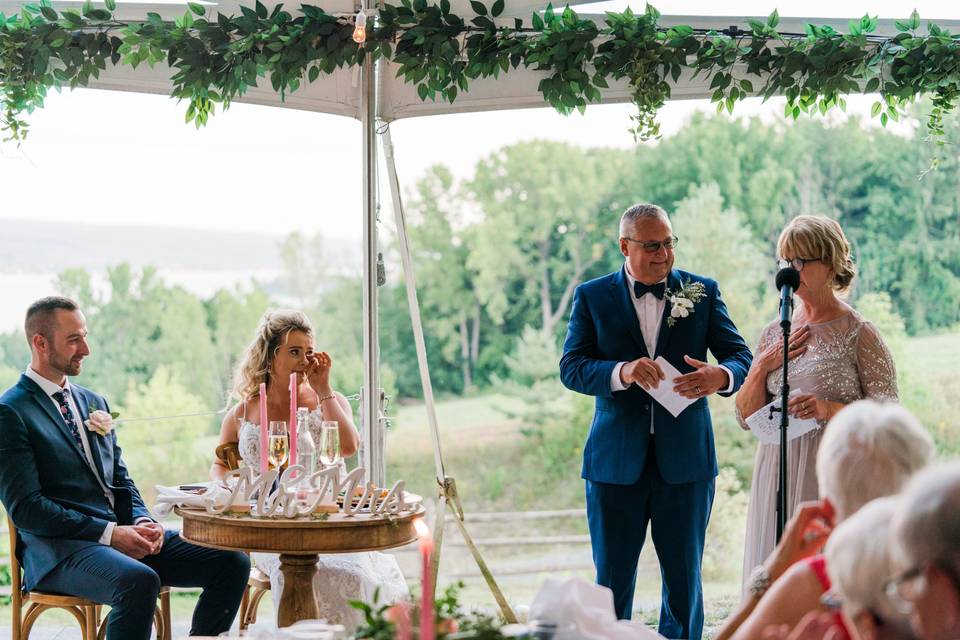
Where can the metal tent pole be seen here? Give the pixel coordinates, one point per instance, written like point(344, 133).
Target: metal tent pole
point(370, 396)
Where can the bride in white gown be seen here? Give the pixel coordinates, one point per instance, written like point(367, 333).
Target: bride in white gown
point(283, 344)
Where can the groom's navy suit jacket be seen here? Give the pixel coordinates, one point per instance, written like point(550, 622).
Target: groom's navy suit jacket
point(603, 331)
point(47, 486)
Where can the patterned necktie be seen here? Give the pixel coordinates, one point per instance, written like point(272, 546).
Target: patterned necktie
point(61, 398)
point(640, 289)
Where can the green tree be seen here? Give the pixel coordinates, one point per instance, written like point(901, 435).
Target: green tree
point(540, 227)
point(14, 350)
point(716, 242)
point(8, 377)
point(305, 267)
point(232, 318)
point(77, 283)
point(441, 241)
point(142, 325)
point(164, 451)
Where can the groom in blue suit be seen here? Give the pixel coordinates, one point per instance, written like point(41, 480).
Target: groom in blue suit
point(82, 527)
point(641, 464)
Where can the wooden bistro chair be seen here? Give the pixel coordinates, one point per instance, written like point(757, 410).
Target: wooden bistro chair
point(87, 612)
point(259, 583)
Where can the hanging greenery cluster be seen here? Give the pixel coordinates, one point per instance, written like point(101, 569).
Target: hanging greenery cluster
point(215, 59)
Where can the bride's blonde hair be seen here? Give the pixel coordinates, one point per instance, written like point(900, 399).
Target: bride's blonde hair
point(254, 366)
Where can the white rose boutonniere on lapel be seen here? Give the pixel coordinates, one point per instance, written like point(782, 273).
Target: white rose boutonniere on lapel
point(101, 422)
point(682, 300)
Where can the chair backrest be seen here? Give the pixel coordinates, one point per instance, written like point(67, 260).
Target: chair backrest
point(229, 454)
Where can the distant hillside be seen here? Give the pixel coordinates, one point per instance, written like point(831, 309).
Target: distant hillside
point(47, 247)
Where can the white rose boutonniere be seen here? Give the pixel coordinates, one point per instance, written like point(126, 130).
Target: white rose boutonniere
point(682, 300)
point(101, 422)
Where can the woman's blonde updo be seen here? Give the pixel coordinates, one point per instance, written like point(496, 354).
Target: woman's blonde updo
point(820, 237)
point(254, 366)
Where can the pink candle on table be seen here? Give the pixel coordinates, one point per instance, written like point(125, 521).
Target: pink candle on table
point(404, 632)
point(264, 466)
point(292, 430)
point(427, 628)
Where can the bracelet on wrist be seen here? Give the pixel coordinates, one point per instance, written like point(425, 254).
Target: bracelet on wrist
point(759, 581)
point(327, 397)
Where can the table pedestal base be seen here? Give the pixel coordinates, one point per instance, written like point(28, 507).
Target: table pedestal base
point(298, 600)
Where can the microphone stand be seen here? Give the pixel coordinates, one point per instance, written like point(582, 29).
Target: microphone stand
point(786, 313)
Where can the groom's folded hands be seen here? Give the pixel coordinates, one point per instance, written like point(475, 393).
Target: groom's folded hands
point(152, 531)
point(131, 540)
point(642, 371)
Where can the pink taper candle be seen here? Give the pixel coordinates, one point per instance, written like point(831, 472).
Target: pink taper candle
point(292, 426)
point(404, 632)
point(427, 628)
point(264, 467)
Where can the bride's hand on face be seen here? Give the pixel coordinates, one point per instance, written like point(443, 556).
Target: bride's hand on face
point(318, 372)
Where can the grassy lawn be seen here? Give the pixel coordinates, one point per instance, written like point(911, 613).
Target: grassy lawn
point(934, 354)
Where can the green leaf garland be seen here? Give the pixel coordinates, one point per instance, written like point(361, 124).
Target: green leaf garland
point(215, 59)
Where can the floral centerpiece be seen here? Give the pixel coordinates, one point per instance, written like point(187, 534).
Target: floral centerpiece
point(453, 621)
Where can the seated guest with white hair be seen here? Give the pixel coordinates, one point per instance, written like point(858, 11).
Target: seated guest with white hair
point(869, 450)
point(858, 557)
point(926, 550)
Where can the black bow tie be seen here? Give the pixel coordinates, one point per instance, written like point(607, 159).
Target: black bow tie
point(639, 289)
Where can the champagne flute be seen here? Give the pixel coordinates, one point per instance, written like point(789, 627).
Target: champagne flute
point(329, 448)
point(279, 444)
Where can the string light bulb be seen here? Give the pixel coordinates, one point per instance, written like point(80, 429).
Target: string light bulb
point(360, 28)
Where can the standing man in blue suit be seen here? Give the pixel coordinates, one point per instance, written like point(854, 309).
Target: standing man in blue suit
point(82, 527)
point(641, 464)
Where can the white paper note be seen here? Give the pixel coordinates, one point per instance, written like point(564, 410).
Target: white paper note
point(765, 423)
point(664, 393)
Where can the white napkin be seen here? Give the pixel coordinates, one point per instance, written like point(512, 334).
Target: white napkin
point(587, 605)
point(170, 497)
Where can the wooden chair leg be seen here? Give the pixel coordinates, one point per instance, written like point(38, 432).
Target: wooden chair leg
point(166, 615)
point(16, 616)
point(254, 605)
point(90, 626)
point(33, 611)
point(244, 605)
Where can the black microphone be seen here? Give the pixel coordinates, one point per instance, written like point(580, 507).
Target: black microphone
point(788, 279)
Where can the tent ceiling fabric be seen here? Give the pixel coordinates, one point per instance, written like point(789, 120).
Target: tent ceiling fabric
point(339, 93)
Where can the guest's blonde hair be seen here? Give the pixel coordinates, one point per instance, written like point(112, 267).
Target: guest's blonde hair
point(254, 366)
point(820, 238)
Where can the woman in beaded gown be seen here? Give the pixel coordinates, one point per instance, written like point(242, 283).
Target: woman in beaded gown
point(836, 357)
point(283, 344)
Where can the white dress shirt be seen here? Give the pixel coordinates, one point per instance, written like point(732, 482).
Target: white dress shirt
point(649, 310)
point(51, 388)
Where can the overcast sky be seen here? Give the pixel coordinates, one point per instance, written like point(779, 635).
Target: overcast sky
point(123, 158)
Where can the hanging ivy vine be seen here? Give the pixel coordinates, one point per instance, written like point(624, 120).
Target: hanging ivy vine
point(215, 59)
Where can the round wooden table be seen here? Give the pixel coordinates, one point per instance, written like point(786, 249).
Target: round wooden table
point(298, 541)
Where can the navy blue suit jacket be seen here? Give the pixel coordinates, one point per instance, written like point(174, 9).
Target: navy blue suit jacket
point(603, 331)
point(47, 486)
